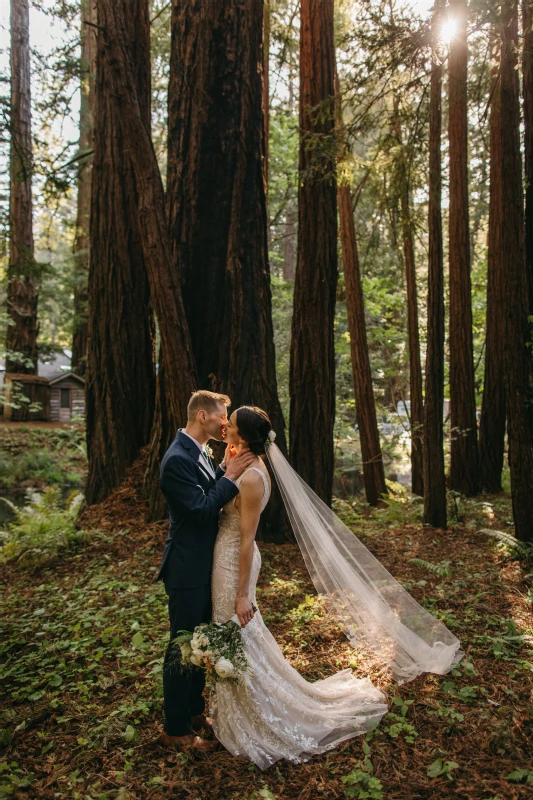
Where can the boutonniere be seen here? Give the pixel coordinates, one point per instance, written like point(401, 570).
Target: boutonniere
point(209, 451)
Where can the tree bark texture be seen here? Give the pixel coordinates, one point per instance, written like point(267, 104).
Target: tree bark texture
point(289, 241)
point(217, 205)
point(373, 470)
point(177, 360)
point(515, 298)
point(291, 217)
point(86, 145)
point(312, 367)
point(492, 423)
point(120, 379)
point(415, 366)
point(434, 476)
point(527, 82)
point(21, 339)
point(464, 451)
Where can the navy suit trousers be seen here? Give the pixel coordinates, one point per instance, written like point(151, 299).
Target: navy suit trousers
point(183, 687)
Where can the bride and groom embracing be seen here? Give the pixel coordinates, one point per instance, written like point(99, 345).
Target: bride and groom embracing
point(210, 568)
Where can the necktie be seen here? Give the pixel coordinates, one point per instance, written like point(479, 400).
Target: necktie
point(207, 460)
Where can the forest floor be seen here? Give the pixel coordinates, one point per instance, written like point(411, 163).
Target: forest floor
point(85, 635)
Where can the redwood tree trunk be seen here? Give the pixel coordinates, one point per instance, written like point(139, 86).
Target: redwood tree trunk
point(492, 424)
point(86, 145)
point(373, 471)
point(266, 87)
point(527, 70)
point(291, 216)
point(415, 366)
point(312, 368)
point(464, 454)
point(515, 297)
point(21, 340)
point(176, 361)
point(289, 260)
point(217, 205)
point(434, 477)
point(121, 379)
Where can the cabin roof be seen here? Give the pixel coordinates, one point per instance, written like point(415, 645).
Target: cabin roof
point(63, 376)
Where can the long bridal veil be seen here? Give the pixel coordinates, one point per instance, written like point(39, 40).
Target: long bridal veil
point(373, 608)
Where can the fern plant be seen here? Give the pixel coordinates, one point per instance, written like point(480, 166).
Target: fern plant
point(442, 569)
point(520, 550)
point(42, 528)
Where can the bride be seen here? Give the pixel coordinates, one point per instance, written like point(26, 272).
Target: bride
point(275, 713)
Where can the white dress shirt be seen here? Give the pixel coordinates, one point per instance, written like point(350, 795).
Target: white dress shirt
point(203, 460)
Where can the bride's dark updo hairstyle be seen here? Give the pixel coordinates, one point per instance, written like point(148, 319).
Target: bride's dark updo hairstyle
point(254, 426)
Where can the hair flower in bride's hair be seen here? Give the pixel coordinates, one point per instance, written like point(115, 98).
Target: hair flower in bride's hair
point(271, 436)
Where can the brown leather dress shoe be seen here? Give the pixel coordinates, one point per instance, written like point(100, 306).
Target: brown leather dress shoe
point(200, 721)
point(189, 742)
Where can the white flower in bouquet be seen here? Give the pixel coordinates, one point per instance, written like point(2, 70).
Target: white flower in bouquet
point(195, 660)
point(224, 668)
point(203, 641)
point(186, 652)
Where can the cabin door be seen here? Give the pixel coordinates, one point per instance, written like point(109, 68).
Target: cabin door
point(65, 406)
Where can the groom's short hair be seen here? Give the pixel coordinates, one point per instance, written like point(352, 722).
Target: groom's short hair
point(205, 401)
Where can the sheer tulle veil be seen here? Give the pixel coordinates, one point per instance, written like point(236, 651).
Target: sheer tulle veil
point(373, 608)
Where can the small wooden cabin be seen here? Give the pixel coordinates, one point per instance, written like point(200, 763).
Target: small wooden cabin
point(55, 395)
point(67, 397)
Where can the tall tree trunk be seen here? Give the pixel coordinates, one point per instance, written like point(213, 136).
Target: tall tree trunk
point(291, 215)
point(266, 88)
point(217, 205)
point(515, 298)
point(527, 70)
point(86, 145)
point(312, 367)
point(415, 366)
point(21, 340)
point(176, 362)
point(492, 423)
point(120, 379)
point(464, 454)
point(289, 261)
point(365, 407)
point(434, 477)
point(373, 471)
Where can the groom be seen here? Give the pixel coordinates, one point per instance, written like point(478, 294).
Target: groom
point(195, 493)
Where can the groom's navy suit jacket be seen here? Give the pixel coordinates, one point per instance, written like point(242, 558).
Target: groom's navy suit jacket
point(194, 500)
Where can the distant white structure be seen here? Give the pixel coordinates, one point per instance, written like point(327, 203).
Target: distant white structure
point(403, 408)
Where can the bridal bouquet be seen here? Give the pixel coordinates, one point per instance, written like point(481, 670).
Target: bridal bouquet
point(216, 647)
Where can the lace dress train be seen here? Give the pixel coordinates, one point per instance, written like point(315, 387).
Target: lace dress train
point(276, 713)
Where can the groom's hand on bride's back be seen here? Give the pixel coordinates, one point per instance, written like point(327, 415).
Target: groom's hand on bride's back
point(239, 463)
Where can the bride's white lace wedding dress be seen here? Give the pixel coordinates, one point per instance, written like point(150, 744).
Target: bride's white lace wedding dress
point(276, 713)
